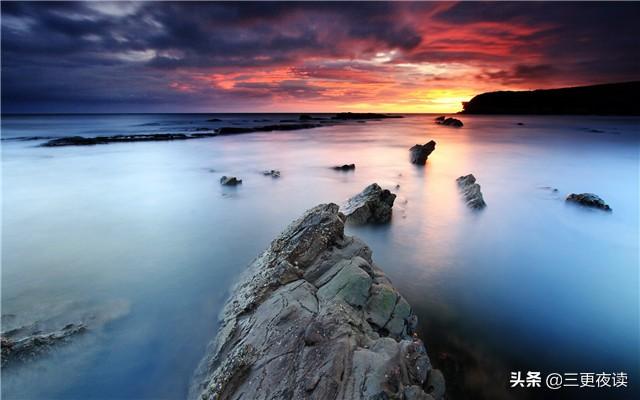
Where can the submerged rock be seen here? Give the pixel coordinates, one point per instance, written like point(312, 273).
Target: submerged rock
point(420, 152)
point(274, 173)
point(588, 200)
point(471, 191)
point(372, 205)
point(345, 167)
point(440, 119)
point(230, 181)
point(313, 317)
point(452, 122)
point(18, 349)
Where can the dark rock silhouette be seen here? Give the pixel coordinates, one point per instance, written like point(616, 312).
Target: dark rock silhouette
point(345, 167)
point(349, 115)
point(607, 99)
point(230, 181)
point(420, 152)
point(588, 200)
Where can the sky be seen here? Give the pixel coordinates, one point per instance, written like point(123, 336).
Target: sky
point(304, 57)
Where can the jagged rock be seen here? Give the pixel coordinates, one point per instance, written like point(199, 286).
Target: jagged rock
point(451, 122)
point(588, 200)
point(345, 167)
point(372, 205)
point(420, 152)
point(230, 181)
point(17, 349)
point(274, 173)
point(296, 324)
point(471, 191)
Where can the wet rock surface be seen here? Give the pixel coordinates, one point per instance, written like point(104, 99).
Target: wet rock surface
point(313, 317)
point(25, 344)
point(471, 191)
point(372, 205)
point(230, 181)
point(588, 200)
point(420, 152)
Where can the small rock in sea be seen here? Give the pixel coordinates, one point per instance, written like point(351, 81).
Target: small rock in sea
point(397, 186)
point(552, 189)
point(520, 123)
point(373, 205)
point(471, 191)
point(230, 181)
point(452, 122)
point(440, 119)
point(274, 173)
point(305, 117)
point(420, 152)
point(214, 120)
point(345, 167)
point(588, 200)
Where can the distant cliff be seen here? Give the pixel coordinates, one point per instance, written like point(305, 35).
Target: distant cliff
point(607, 99)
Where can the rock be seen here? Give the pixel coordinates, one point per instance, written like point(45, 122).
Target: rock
point(372, 205)
point(471, 191)
point(520, 123)
point(23, 349)
point(452, 122)
point(214, 120)
point(356, 116)
point(588, 200)
point(436, 384)
point(230, 181)
point(295, 326)
point(440, 119)
point(90, 141)
point(420, 152)
point(305, 117)
point(345, 167)
point(274, 173)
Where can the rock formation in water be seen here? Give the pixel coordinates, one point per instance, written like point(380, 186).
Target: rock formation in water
point(449, 122)
point(230, 181)
point(588, 200)
point(274, 173)
point(420, 152)
point(314, 318)
point(345, 167)
point(372, 205)
point(471, 191)
point(357, 116)
point(608, 99)
point(18, 348)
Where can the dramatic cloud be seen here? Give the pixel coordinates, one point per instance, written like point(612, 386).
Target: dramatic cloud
point(310, 56)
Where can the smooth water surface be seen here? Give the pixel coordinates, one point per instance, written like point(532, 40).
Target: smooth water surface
point(140, 242)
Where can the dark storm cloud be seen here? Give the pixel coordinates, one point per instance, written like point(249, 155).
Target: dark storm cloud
point(66, 56)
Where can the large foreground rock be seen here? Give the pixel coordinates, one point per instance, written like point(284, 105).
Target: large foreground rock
point(420, 152)
point(471, 191)
point(588, 200)
point(372, 205)
point(314, 318)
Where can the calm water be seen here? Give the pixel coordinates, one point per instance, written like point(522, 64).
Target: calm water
point(140, 242)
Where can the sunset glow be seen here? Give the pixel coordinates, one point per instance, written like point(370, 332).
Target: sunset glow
point(239, 57)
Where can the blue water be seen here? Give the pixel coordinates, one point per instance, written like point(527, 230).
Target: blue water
point(140, 242)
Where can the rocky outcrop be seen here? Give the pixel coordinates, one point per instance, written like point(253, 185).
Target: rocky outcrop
point(345, 167)
point(18, 348)
point(372, 205)
point(588, 200)
point(471, 191)
point(607, 99)
point(230, 181)
point(313, 317)
point(420, 152)
point(90, 141)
